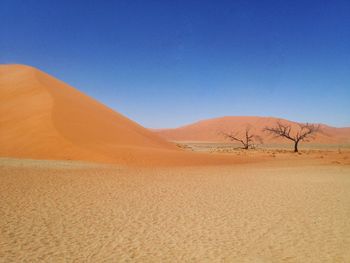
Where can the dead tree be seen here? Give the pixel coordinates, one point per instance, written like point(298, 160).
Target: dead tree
point(248, 140)
point(306, 132)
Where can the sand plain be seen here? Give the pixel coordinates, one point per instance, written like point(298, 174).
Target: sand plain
point(293, 208)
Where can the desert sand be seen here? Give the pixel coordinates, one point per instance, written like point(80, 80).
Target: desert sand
point(80, 182)
point(289, 209)
point(210, 130)
point(44, 118)
point(41, 117)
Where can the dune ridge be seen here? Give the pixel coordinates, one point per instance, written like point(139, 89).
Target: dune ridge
point(209, 130)
point(44, 118)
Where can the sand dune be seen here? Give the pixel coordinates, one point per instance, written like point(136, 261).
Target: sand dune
point(270, 206)
point(44, 118)
point(209, 130)
point(270, 212)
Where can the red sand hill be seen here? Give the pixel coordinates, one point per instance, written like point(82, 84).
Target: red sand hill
point(44, 118)
point(211, 130)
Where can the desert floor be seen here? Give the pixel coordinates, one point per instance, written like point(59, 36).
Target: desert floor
point(292, 208)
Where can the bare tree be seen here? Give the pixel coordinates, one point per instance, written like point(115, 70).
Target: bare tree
point(306, 132)
point(248, 140)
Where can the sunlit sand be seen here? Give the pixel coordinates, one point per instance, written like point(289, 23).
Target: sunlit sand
point(277, 211)
point(79, 182)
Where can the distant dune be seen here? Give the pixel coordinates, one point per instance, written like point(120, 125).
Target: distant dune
point(44, 118)
point(209, 130)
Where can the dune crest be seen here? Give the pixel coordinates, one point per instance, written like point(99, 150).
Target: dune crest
point(44, 118)
point(209, 130)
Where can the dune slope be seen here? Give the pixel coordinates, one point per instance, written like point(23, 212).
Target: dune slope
point(209, 130)
point(44, 118)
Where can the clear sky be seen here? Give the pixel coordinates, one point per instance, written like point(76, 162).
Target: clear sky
point(169, 63)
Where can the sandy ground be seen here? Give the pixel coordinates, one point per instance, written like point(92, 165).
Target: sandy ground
point(278, 211)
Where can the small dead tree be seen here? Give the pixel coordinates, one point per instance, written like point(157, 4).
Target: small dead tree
point(248, 140)
point(306, 132)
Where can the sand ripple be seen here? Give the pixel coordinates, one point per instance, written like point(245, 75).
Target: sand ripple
point(95, 213)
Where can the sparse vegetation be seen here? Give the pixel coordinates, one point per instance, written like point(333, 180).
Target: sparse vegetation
point(305, 133)
point(248, 140)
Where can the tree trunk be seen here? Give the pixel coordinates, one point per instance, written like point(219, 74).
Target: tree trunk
point(296, 146)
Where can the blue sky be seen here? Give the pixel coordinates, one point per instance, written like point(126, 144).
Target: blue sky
point(170, 63)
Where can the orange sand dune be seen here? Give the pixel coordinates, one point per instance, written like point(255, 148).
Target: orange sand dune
point(209, 130)
point(44, 118)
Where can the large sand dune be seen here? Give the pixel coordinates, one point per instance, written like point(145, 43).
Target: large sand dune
point(44, 118)
point(209, 130)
